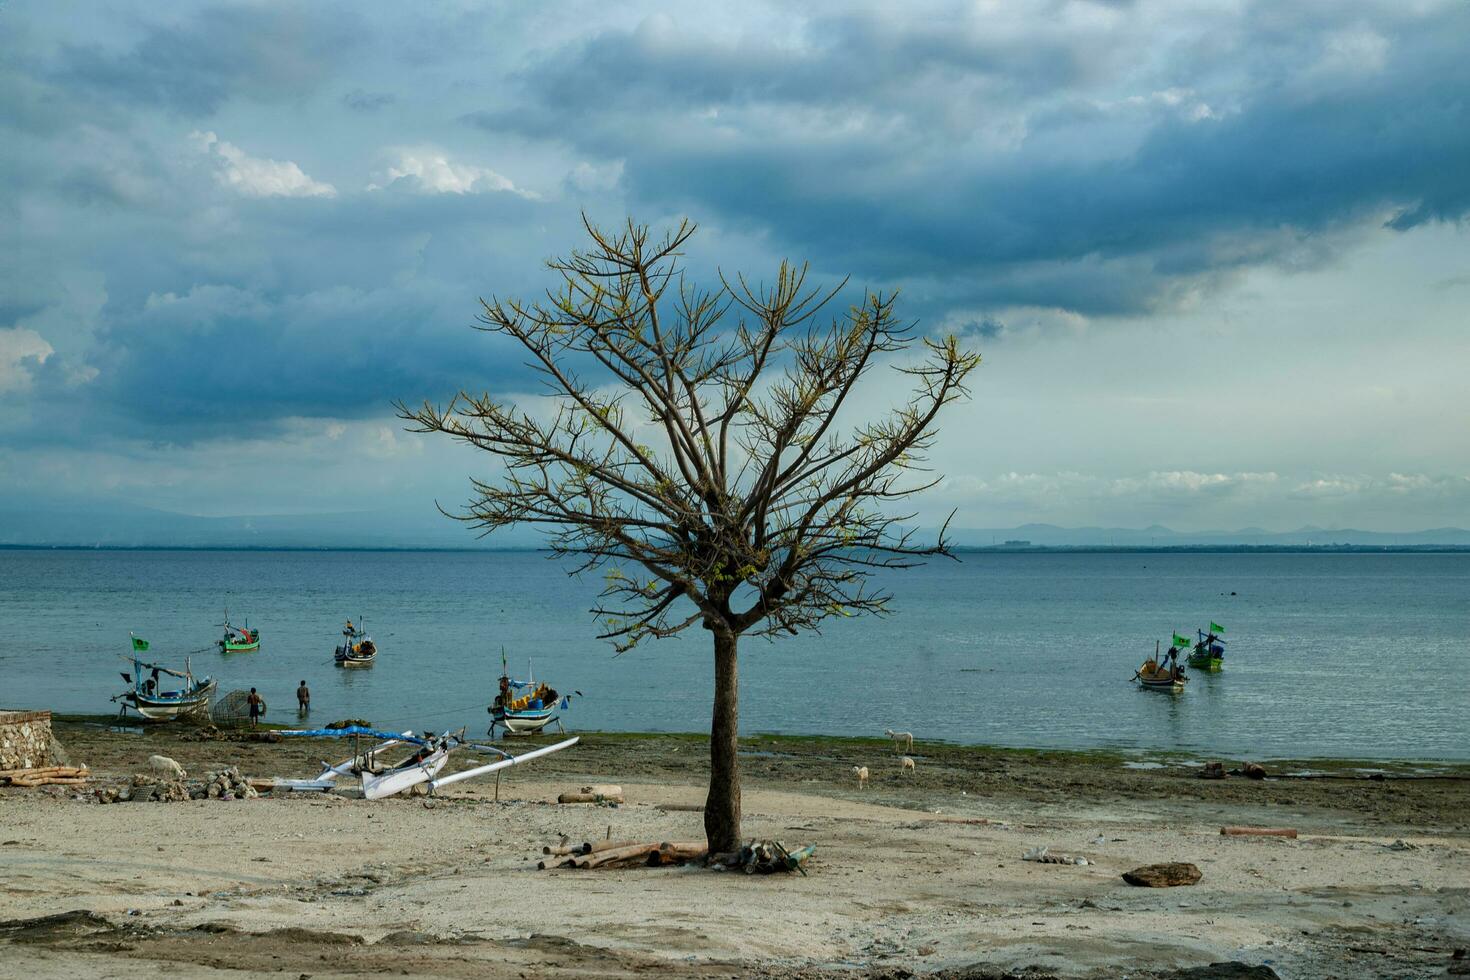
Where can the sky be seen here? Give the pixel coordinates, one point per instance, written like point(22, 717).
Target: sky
point(1214, 253)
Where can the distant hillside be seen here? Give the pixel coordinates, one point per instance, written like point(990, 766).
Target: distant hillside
point(1051, 536)
point(73, 523)
point(80, 522)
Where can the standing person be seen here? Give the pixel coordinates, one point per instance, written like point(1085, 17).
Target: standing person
point(257, 707)
point(303, 698)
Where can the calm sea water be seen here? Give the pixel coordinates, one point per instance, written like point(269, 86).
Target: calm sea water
point(1330, 655)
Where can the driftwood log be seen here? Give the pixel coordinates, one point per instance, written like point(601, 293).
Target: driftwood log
point(679, 852)
point(588, 798)
point(586, 847)
point(1258, 832)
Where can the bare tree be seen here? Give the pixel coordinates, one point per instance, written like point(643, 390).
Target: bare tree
point(690, 448)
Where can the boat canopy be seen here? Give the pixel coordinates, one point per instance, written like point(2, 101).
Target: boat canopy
point(158, 667)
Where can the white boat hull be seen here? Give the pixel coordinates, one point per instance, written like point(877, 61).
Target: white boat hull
point(155, 709)
point(525, 722)
point(397, 780)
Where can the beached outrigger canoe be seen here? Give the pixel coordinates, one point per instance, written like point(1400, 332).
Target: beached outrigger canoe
point(1165, 674)
point(422, 766)
point(525, 707)
point(238, 639)
point(357, 649)
point(1209, 653)
point(148, 698)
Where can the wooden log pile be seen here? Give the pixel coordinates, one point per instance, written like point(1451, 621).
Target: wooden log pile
point(621, 854)
point(46, 776)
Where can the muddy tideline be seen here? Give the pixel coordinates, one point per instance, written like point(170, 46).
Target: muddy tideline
point(919, 874)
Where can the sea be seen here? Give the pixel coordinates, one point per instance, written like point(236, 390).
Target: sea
point(1361, 656)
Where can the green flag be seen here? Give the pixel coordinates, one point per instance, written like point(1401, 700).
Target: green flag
point(1216, 628)
point(139, 643)
point(1180, 641)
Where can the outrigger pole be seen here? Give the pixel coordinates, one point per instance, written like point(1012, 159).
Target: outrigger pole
point(503, 763)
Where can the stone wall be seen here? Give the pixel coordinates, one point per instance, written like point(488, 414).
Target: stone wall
point(25, 739)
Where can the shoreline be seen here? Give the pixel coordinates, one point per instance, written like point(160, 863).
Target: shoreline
point(1452, 768)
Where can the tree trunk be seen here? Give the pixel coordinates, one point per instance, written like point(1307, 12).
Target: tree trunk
point(722, 806)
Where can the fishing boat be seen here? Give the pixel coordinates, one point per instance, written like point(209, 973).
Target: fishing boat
point(238, 639)
point(525, 707)
point(420, 768)
point(147, 696)
point(357, 649)
point(1209, 653)
point(1162, 674)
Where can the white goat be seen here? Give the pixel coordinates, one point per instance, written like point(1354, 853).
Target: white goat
point(165, 767)
point(907, 763)
point(903, 740)
point(862, 776)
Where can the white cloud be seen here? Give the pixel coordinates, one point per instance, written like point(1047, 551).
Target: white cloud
point(587, 177)
point(256, 176)
point(18, 345)
point(432, 172)
point(1353, 51)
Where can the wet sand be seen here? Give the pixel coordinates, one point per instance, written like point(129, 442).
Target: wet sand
point(448, 887)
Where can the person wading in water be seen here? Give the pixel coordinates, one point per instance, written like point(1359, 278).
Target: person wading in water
point(257, 707)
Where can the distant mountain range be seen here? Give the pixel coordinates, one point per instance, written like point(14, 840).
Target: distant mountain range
point(76, 522)
point(89, 523)
point(1051, 536)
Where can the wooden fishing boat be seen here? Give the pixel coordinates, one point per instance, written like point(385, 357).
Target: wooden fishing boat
point(525, 707)
point(148, 698)
point(357, 649)
point(1162, 674)
point(1209, 653)
point(238, 639)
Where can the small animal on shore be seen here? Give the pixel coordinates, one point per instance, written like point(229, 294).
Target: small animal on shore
point(862, 776)
point(165, 767)
point(907, 763)
point(904, 740)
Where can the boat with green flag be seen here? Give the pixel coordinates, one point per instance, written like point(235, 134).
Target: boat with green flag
point(147, 697)
point(1162, 673)
point(238, 639)
point(1208, 654)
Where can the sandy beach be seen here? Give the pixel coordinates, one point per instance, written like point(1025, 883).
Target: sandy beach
point(918, 874)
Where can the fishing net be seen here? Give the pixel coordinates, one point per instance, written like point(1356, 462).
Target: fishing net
point(232, 709)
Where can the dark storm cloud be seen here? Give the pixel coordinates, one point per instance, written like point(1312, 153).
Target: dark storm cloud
point(364, 101)
point(985, 328)
point(358, 302)
point(267, 54)
point(870, 144)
